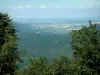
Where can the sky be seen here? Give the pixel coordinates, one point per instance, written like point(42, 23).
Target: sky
point(75, 9)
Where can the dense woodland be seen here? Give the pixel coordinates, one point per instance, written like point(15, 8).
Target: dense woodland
point(85, 45)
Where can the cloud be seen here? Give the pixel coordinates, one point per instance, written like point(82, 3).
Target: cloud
point(41, 6)
point(23, 7)
point(28, 6)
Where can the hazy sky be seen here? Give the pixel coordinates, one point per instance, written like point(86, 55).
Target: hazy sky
point(51, 8)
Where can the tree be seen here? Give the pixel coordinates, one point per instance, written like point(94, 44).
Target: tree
point(60, 66)
point(37, 66)
point(41, 66)
point(86, 50)
point(8, 45)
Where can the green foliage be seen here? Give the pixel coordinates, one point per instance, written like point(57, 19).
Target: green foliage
point(37, 66)
point(60, 66)
point(86, 50)
point(41, 66)
point(8, 46)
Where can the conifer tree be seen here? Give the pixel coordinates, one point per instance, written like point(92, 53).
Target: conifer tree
point(8, 45)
